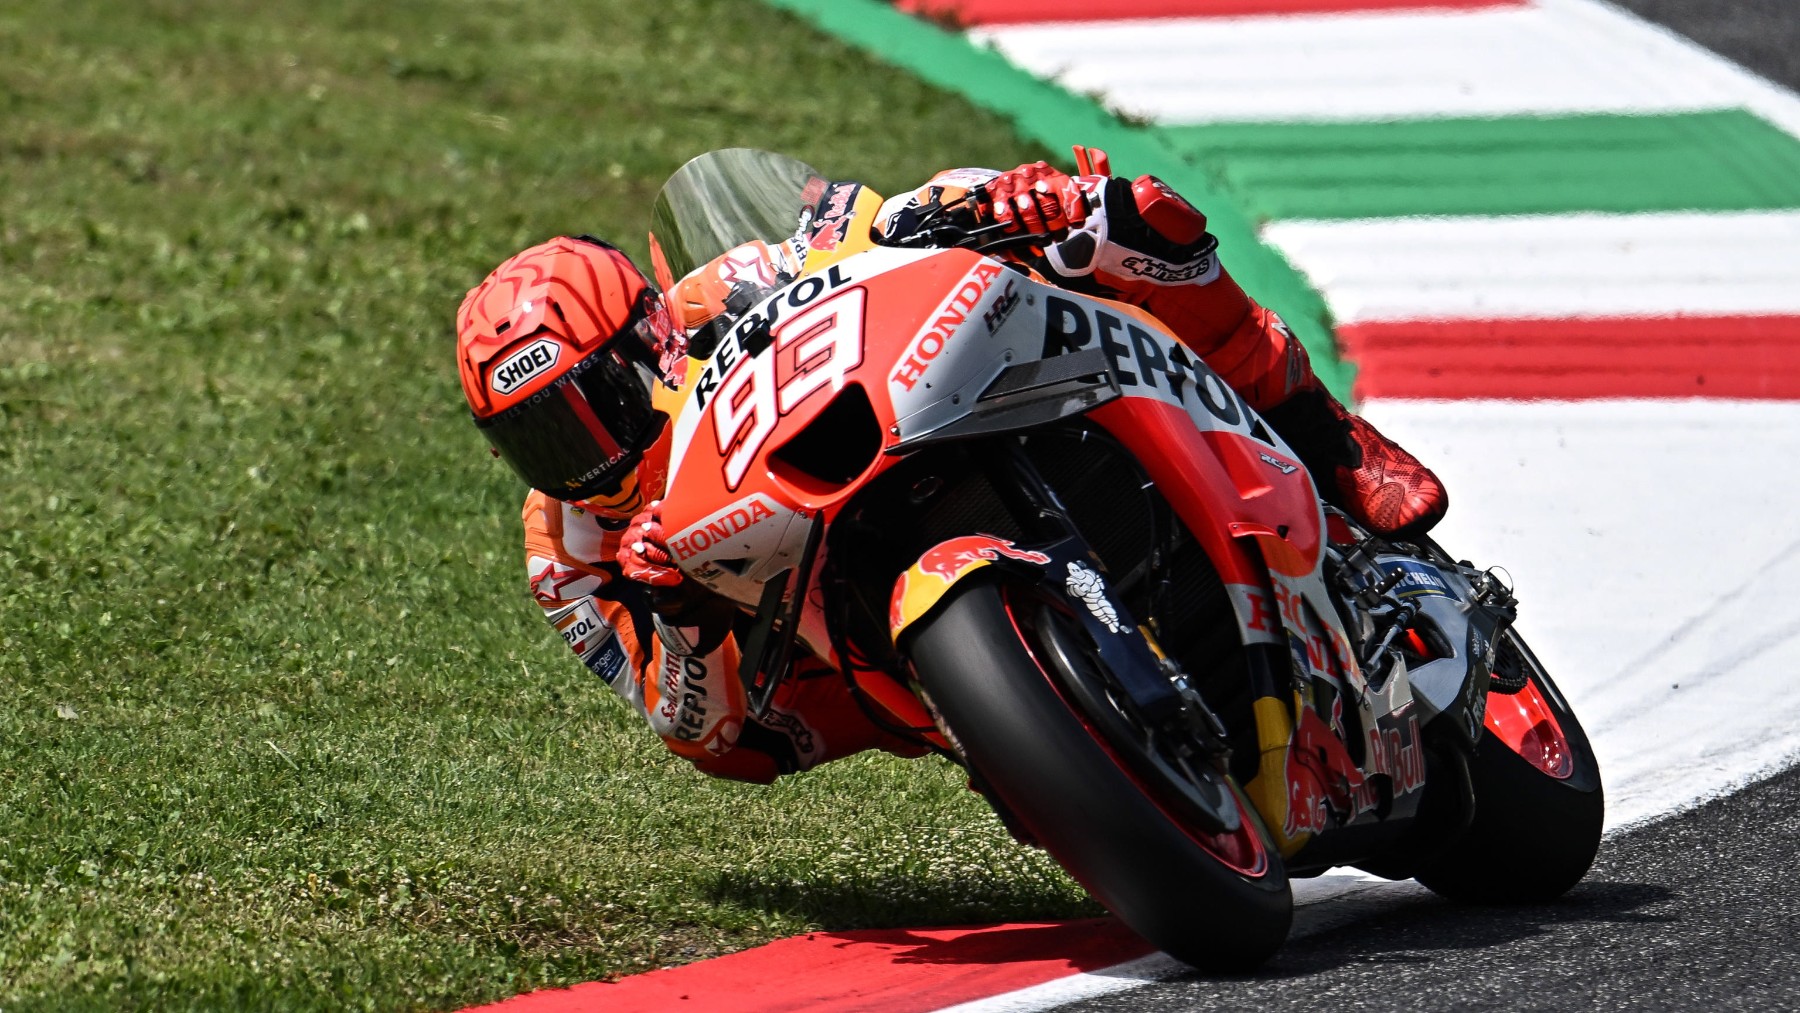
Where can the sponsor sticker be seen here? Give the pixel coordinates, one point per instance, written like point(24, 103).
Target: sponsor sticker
point(690, 716)
point(1088, 587)
point(949, 559)
point(949, 317)
point(519, 368)
point(608, 660)
point(1279, 464)
point(722, 526)
point(581, 626)
point(1146, 362)
point(1165, 272)
point(965, 177)
point(1420, 581)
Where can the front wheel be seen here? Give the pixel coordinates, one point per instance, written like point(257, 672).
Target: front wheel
point(1539, 805)
point(990, 663)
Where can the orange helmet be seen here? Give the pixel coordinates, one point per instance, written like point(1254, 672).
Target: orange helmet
point(559, 349)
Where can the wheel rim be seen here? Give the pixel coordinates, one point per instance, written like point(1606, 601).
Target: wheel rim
point(1241, 849)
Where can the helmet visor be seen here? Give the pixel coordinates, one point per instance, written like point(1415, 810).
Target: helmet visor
point(582, 434)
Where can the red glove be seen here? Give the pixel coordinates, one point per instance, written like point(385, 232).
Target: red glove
point(1036, 200)
point(644, 554)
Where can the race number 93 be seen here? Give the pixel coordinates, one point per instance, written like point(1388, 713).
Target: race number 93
point(813, 349)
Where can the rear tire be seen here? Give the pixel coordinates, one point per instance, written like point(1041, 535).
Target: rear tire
point(1533, 836)
point(1094, 815)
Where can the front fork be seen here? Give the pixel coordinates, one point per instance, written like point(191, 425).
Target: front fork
point(1138, 679)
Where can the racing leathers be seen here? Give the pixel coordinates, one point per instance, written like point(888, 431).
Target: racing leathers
point(1139, 243)
point(688, 689)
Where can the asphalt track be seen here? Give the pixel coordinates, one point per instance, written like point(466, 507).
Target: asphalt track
point(1696, 911)
point(1763, 35)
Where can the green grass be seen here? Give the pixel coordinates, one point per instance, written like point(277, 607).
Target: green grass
point(279, 725)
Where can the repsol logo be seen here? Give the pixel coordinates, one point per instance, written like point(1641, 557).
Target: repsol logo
point(951, 315)
point(691, 720)
point(732, 522)
point(521, 366)
point(752, 334)
point(580, 624)
point(1147, 361)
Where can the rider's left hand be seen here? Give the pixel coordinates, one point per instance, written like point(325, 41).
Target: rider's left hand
point(1035, 199)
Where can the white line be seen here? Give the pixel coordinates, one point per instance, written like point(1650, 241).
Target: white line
point(1559, 57)
point(1552, 266)
point(1051, 994)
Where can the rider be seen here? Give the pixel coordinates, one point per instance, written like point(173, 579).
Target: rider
point(568, 354)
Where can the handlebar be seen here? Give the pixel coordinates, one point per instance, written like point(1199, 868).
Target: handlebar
point(956, 225)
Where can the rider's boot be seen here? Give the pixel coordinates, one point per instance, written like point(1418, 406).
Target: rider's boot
point(1372, 478)
point(1357, 469)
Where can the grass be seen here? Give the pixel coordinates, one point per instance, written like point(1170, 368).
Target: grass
point(279, 726)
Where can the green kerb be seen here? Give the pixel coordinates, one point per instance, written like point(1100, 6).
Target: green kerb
point(1709, 161)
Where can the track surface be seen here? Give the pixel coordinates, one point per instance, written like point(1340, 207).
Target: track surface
point(1763, 35)
point(1694, 912)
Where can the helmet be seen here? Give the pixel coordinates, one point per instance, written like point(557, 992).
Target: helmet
point(559, 350)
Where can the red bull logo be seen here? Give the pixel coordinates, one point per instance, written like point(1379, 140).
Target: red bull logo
point(949, 559)
point(914, 596)
point(1320, 772)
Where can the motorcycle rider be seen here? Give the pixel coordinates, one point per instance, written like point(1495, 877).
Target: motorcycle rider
point(568, 355)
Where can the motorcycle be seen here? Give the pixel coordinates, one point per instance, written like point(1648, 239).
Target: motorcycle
point(1041, 538)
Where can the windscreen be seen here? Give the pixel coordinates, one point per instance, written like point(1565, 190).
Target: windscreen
point(723, 199)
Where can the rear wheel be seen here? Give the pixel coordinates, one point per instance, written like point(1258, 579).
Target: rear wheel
point(1539, 805)
point(995, 662)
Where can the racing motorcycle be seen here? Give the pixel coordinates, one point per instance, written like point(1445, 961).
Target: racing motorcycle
point(1041, 538)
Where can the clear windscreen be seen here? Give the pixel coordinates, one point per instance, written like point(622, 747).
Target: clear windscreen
point(724, 199)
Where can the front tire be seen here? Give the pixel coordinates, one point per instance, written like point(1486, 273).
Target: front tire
point(1081, 798)
point(1534, 834)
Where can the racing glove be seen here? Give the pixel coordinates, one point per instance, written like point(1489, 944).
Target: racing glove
point(1034, 199)
point(644, 554)
point(1140, 234)
point(690, 620)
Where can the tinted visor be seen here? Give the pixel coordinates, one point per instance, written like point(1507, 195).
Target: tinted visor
point(582, 434)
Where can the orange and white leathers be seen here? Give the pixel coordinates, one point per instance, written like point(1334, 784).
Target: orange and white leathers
point(696, 704)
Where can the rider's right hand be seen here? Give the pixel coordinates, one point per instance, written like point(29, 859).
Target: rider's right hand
point(690, 620)
point(644, 554)
point(1034, 199)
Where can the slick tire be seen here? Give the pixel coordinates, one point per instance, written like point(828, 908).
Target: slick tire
point(1097, 818)
point(1533, 836)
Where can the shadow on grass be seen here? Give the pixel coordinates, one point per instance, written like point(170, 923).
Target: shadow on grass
point(882, 902)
